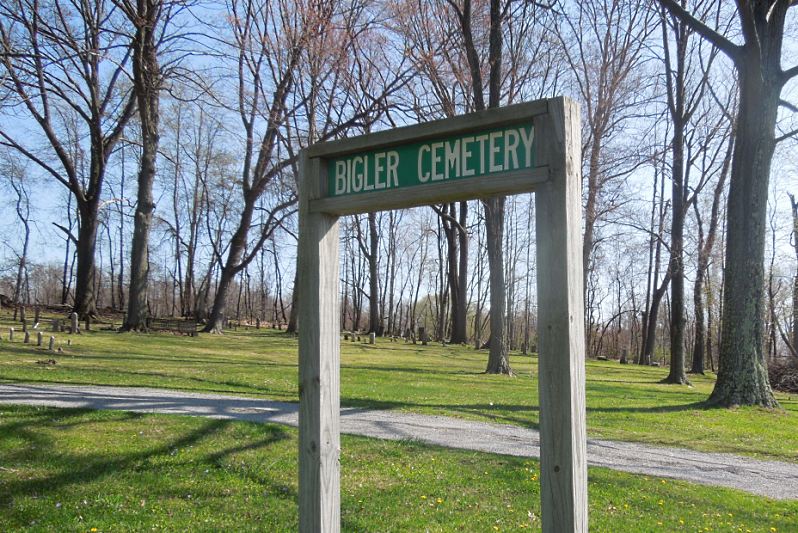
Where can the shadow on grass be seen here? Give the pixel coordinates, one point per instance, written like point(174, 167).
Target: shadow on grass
point(221, 361)
point(66, 468)
point(432, 371)
point(216, 387)
point(691, 406)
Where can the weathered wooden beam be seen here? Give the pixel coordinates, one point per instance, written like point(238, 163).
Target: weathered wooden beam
point(561, 324)
point(319, 360)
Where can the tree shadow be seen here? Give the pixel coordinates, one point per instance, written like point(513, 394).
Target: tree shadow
point(411, 370)
point(209, 386)
point(691, 406)
point(72, 469)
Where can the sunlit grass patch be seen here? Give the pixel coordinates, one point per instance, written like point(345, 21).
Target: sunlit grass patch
point(625, 402)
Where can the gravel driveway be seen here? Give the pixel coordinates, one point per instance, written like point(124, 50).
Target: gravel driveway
point(764, 478)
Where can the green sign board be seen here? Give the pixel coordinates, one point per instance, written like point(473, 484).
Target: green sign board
point(468, 156)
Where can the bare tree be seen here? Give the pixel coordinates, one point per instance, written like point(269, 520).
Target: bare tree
point(706, 243)
point(65, 63)
point(149, 18)
point(742, 374)
point(604, 44)
point(686, 80)
point(13, 176)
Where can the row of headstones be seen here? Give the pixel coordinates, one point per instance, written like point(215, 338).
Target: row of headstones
point(74, 325)
point(372, 337)
point(57, 324)
point(39, 338)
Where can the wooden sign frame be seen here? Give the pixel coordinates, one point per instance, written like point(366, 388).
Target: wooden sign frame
point(556, 180)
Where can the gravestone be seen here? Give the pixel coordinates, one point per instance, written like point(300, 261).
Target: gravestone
point(39, 338)
point(10, 334)
point(74, 323)
point(372, 338)
point(51, 346)
point(26, 339)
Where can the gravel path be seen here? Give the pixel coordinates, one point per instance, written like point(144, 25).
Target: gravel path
point(765, 478)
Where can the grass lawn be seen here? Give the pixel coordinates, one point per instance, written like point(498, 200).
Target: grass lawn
point(75, 470)
point(624, 402)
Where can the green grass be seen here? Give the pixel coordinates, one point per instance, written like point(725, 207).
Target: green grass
point(623, 402)
point(75, 470)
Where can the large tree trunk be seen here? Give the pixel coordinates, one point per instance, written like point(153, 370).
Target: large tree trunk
point(459, 292)
point(84, 279)
point(146, 83)
point(293, 317)
point(232, 266)
point(697, 366)
point(498, 361)
point(375, 321)
point(742, 374)
point(676, 265)
point(650, 343)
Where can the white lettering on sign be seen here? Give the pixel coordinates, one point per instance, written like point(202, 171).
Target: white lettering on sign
point(488, 153)
point(460, 161)
point(355, 175)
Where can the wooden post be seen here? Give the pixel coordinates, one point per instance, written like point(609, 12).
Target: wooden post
point(39, 338)
point(51, 346)
point(563, 461)
point(319, 359)
point(554, 172)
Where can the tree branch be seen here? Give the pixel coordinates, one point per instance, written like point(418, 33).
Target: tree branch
point(719, 41)
point(68, 233)
point(786, 136)
point(790, 72)
point(788, 105)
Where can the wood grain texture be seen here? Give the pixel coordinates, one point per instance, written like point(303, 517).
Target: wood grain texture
point(522, 112)
point(319, 359)
point(561, 324)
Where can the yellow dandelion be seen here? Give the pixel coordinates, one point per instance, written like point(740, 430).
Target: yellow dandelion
point(439, 500)
point(660, 503)
point(423, 497)
point(773, 529)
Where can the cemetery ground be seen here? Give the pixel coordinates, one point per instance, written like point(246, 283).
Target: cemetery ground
point(78, 469)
